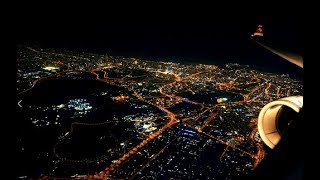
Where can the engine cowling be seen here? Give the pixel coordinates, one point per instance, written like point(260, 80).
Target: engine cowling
point(276, 116)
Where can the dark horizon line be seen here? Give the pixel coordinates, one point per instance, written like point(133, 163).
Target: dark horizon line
point(276, 65)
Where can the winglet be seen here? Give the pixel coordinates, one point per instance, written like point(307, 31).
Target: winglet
point(259, 31)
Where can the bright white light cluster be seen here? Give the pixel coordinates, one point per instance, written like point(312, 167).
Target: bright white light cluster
point(79, 105)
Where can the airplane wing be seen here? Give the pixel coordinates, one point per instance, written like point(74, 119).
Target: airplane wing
point(276, 122)
point(268, 120)
point(293, 58)
point(259, 31)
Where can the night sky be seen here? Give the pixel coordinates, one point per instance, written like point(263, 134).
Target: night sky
point(206, 37)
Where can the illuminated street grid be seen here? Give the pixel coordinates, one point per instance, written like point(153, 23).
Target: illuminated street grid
point(180, 120)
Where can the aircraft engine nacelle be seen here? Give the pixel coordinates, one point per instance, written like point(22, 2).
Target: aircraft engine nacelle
point(275, 117)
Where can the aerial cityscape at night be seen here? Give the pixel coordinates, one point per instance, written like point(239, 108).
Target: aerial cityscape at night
point(158, 93)
point(91, 115)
